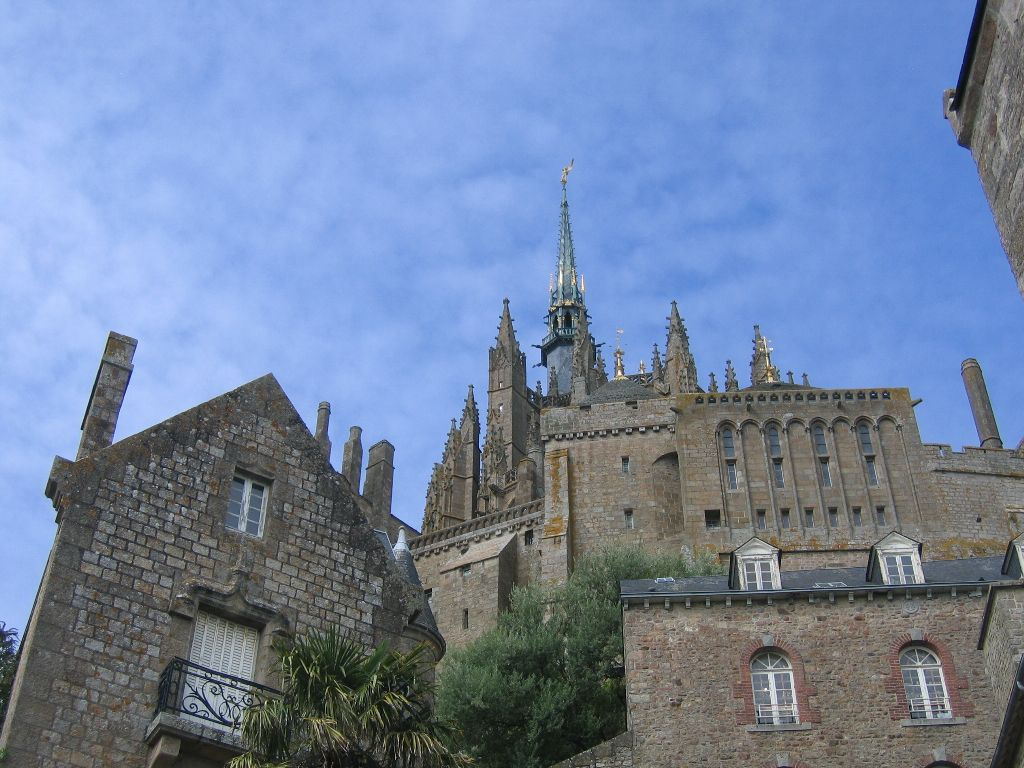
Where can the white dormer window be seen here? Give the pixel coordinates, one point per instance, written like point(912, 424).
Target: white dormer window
point(757, 566)
point(899, 559)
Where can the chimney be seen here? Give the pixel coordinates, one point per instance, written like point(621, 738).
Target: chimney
point(352, 458)
point(323, 421)
point(981, 406)
point(107, 394)
point(380, 476)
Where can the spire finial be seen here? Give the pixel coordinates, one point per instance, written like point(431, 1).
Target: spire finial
point(566, 171)
point(620, 368)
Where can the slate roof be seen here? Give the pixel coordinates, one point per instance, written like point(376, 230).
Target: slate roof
point(403, 558)
point(619, 391)
point(966, 571)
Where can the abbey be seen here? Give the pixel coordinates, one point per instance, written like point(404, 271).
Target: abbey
point(871, 610)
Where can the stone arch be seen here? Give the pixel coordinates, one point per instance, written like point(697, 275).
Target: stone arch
point(666, 489)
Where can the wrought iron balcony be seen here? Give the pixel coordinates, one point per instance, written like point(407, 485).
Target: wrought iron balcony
point(933, 707)
point(776, 714)
point(207, 696)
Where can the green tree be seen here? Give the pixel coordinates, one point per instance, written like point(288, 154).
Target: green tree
point(546, 683)
point(345, 708)
point(8, 666)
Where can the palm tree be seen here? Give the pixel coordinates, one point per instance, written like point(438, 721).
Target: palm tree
point(346, 708)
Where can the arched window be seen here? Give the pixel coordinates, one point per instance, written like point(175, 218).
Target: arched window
point(868, 449)
point(771, 676)
point(924, 684)
point(729, 452)
point(821, 448)
point(775, 451)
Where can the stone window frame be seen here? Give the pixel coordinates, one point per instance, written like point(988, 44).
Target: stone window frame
point(743, 690)
point(961, 706)
point(868, 450)
point(726, 436)
point(822, 451)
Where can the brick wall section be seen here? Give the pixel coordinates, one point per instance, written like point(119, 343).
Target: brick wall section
point(141, 540)
point(990, 122)
point(614, 753)
point(968, 485)
point(684, 668)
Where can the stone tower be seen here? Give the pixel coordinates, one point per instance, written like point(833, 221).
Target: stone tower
point(509, 415)
point(566, 309)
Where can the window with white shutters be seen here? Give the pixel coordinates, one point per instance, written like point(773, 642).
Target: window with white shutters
point(218, 687)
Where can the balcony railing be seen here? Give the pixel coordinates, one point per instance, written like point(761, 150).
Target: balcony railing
point(776, 714)
point(214, 698)
point(929, 708)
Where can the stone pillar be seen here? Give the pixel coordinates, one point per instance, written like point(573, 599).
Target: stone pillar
point(352, 458)
point(380, 478)
point(107, 394)
point(981, 406)
point(323, 421)
point(556, 550)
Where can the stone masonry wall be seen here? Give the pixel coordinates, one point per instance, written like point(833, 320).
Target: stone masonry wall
point(804, 512)
point(689, 689)
point(620, 466)
point(142, 544)
point(1003, 639)
point(614, 753)
point(980, 500)
point(990, 122)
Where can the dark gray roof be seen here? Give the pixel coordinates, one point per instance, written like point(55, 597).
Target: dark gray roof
point(967, 571)
point(619, 391)
point(406, 564)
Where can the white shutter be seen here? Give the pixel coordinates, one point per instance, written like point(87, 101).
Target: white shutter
point(224, 646)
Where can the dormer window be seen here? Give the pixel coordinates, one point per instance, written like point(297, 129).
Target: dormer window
point(898, 560)
point(755, 567)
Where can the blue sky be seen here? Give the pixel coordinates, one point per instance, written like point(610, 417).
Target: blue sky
point(342, 194)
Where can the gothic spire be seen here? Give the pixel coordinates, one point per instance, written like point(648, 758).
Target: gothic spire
point(567, 287)
point(470, 412)
point(506, 333)
point(762, 371)
point(681, 369)
point(731, 385)
point(657, 371)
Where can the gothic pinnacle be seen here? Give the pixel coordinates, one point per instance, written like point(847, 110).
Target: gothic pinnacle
point(730, 377)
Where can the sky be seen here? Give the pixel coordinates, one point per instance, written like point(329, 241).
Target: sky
point(343, 193)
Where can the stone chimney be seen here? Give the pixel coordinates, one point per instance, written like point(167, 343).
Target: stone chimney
point(107, 394)
point(323, 422)
point(380, 477)
point(352, 458)
point(981, 406)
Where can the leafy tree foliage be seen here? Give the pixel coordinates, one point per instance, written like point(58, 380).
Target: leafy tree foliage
point(547, 682)
point(8, 666)
point(345, 708)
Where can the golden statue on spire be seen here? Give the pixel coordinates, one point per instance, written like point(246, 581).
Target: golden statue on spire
point(620, 368)
point(566, 171)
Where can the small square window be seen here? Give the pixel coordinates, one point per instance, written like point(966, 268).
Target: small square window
point(712, 518)
point(466, 570)
point(627, 518)
point(762, 520)
point(809, 517)
point(858, 518)
point(833, 517)
point(528, 537)
point(880, 515)
point(247, 505)
point(625, 465)
point(784, 518)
